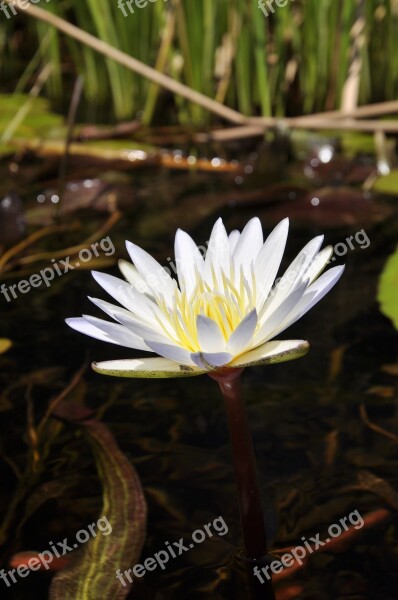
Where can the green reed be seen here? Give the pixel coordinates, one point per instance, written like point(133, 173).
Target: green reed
point(295, 61)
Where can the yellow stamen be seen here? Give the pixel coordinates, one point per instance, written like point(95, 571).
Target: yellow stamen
point(225, 303)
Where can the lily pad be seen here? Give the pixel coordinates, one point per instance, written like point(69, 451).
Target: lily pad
point(38, 121)
point(388, 289)
point(388, 184)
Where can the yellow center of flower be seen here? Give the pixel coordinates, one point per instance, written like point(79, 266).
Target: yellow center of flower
point(225, 303)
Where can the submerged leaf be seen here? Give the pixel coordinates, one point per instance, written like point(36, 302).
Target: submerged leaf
point(92, 572)
point(4, 345)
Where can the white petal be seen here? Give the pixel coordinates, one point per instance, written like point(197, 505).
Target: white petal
point(273, 321)
point(152, 272)
point(296, 272)
point(112, 310)
point(233, 239)
point(146, 367)
point(131, 275)
point(171, 351)
point(189, 261)
point(118, 333)
point(127, 319)
point(313, 294)
point(147, 333)
point(272, 352)
point(209, 335)
point(218, 255)
point(319, 263)
point(211, 360)
point(82, 326)
point(269, 259)
point(128, 297)
point(242, 335)
point(249, 245)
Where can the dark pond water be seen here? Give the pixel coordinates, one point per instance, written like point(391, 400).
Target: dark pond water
point(318, 460)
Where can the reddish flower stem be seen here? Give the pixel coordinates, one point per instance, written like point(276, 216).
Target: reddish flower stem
point(249, 496)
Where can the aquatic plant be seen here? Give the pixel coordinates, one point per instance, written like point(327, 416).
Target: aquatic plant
point(220, 317)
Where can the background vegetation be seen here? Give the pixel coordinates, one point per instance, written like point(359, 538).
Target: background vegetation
point(296, 61)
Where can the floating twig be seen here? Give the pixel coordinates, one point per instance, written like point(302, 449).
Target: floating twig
point(374, 427)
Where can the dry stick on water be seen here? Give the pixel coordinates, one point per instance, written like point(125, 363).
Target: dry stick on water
point(120, 130)
point(340, 123)
point(113, 219)
point(32, 258)
point(364, 416)
point(369, 110)
point(37, 235)
point(249, 494)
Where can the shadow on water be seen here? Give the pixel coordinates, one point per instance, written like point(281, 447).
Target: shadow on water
point(318, 460)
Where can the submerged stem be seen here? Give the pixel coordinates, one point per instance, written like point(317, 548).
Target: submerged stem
point(249, 496)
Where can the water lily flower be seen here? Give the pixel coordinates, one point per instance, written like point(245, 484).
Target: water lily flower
point(225, 310)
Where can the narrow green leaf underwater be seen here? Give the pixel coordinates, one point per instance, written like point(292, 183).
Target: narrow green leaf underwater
point(92, 570)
